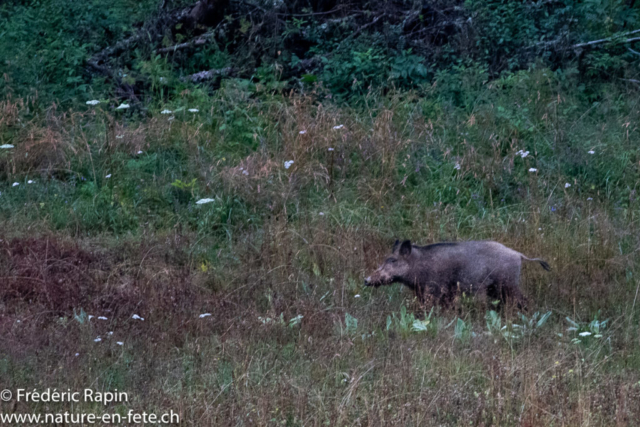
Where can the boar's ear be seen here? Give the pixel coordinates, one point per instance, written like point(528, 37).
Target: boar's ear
point(405, 248)
point(395, 246)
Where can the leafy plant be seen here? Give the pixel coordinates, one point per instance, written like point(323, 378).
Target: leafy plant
point(401, 323)
point(513, 331)
point(426, 325)
point(183, 191)
point(351, 324)
point(356, 72)
point(408, 70)
point(585, 333)
point(530, 325)
point(406, 323)
point(295, 321)
point(463, 331)
point(80, 317)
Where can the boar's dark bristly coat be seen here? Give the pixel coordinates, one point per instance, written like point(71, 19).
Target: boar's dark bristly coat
point(442, 270)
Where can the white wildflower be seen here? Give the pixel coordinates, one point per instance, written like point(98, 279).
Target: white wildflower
point(119, 136)
point(30, 182)
point(330, 148)
point(98, 339)
point(245, 172)
point(321, 214)
point(165, 111)
point(136, 317)
point(589, 198)
point(193, 110)
point(111, 332)
point(140, 152)
point(203, 315)
point(357, 296)
point(93, 102)
point(288, 164)
point(6, 146)
point(122, 107)
point(15, 184)
point(524, 154)
point(108, 176)
point(567, 185)
point(102, 318)
point(338, 127)
point(171, 118)
point(77, 354)
point(203, 201)
point(89, 317)
point(457, 166)
point(584, 334)
point(591, 152)
point(119, 342)
point(302, 132)
point(533, 170)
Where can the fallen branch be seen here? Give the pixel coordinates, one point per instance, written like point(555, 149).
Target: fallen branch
point(635, 52)
point(547, 44)
point(612, 38)
point(630, 80)
point(208, 75)
point(191, 16)
point(200, 40)
point(117, 48)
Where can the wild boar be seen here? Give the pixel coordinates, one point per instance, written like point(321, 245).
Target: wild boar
point(440, 271)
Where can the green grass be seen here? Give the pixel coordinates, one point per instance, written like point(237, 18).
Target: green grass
point(281, 243)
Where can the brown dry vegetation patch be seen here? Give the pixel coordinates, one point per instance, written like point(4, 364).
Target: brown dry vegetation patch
point(49, 273)
point(51, 144)
point(58, 276)
point(9, 112)
point(124, 137)
point(40, 146)
point(256, 179)
point(47, 281)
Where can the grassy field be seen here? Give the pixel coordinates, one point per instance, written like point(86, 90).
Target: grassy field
point(254, 307)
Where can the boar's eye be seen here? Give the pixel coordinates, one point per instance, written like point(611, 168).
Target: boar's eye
point(392, 260)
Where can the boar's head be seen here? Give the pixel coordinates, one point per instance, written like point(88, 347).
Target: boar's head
point(394, 268)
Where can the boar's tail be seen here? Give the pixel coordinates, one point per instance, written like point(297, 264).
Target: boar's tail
point(542, 262)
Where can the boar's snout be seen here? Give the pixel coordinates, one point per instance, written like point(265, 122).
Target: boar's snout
point(374, 280)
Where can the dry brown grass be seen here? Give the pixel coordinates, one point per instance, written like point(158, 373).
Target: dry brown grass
point(322, 225)
point(242, 371)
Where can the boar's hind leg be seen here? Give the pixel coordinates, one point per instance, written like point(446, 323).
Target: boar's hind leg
point(506, 295)
point(519, 299)
point(494, 295)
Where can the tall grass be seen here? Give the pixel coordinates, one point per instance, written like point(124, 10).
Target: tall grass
point(278, 258)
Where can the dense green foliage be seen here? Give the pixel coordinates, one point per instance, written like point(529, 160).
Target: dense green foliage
point(44, 44)
point(351, 48)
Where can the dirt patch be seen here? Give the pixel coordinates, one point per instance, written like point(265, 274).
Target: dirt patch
point(44, 271)
point(58, 276)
